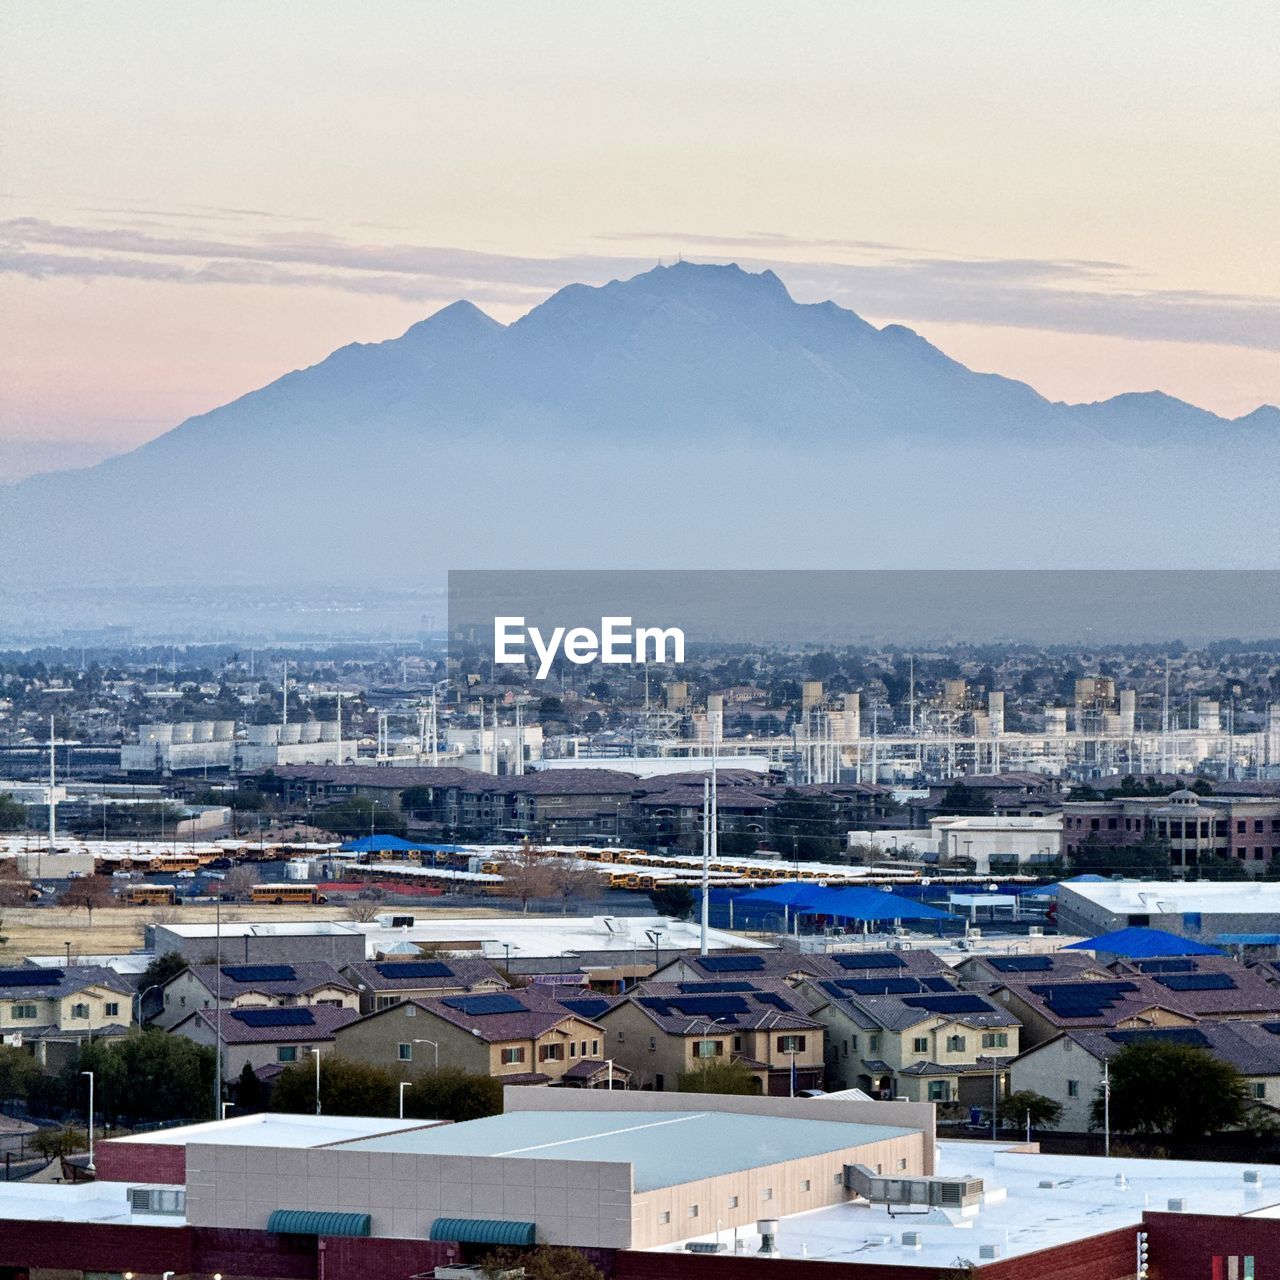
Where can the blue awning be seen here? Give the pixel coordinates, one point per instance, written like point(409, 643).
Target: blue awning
point(1141, 943)
point(308, 1222)
point(484, 1231)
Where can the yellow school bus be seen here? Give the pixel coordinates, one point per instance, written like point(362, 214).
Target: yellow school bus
point(152, 895)
point(287, 891)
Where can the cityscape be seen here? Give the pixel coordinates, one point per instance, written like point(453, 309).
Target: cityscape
point(639, 642)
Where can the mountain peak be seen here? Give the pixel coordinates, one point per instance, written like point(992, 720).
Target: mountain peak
point(460, 318)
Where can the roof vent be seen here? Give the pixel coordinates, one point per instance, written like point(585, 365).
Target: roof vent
point(987, 1251)
point(1047, 1184)
point(1177, 1205)
point(768, 1229)
point(912, 1240)
point(1252, 1178)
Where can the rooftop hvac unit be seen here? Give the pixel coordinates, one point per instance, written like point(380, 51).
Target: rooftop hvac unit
point(950, 1193)
point(912, 1240)
point(988, 1251)
point(1252, 1179)
point(1035, 931)
point(768, 1229)
point(706, 1246)
point(169, 1201)
point(1177, 1205)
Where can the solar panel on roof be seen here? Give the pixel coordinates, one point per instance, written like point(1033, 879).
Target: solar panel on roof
point(1020, 964)
point(260, 972)
point(883, 986)
point(1168, 1035)
point(870, 960)
point(274, 1017)
point(397, 970)
point(484, 1005)
point(708, 1006)
point(773, 999)
point(1166, 966)
point(586, 1008)
point(700, 988)
point(32, 977)
point(1197, 981)
point(731, 964)
point(960, 1002)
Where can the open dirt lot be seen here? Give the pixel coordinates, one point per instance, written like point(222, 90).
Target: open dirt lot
point(45, 931)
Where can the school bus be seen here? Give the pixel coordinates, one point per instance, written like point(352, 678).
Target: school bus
point(152, 895)
point(279, 894)
point(172, 862)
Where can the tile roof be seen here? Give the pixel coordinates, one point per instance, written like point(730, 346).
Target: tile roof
point(295, 979)
point(324, 1021)
point(34, 982)
point(899, 1012)
point(1248, 1046)
point(463, 972)
point(536, 1015)
point(689, 1008)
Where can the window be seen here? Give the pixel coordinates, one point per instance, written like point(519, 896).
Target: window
point(111, 1009)
point(653, 1043)
point(287, 1053)
point(939, 1091)
point(1073, 1088)
point(551, 1053)
point(510, 1056)
point(995, 1040)
point(582, 1049)
point(573, 1049)
point(406, 1053)
point(873, 1043)
point(838, 1177)
point(595, 1048)
point(733, 1202)
point(693, 1211)
point(79, 1010)
point(805, 1184)
point(1259, 1088)
point(707, 1048)
point(25, 1011)
point(737, 1044)
point(920, 1044)
point(767, 1194)
point(664, 1217)
point(791, 1044)
point(955, 1044)
point(622, 1037)
point(385, 1002)
point(902, 1164)
point(409, 1012)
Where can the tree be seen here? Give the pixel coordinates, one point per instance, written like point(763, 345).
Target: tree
point(347, 1088)
point(1016, 1107)
point(675, 900)
point(961, 799)
point(568, 879)
point(452, 1094)
point(167, 965)
point(237, 885)
point(1163, 1087)
point(356, 817)
point(250, 1095)
point(89, 892)
point(545, 1262)
point(147, 1075)
point(18, 1072)
point(526, 874)
point(719, 1077)
point(13, 816)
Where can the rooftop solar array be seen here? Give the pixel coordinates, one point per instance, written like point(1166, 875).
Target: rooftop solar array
point(708, 988)
point(725, 1007)
point(400, 969)
point(260, 972)
point(731, 964)
point(894, 986)
point(485, 1005)
point(1197, 981)
point(274, 1017)
point(586, 1007)
point(1166, 966)
point(1192, 1036)
point(32, 977)
point(773, 999)
point(870, 960)
point(960, 1002)
point(1020, 964)
point(1082, 999)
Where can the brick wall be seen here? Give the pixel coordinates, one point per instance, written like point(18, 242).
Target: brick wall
point(344, 1259)
point(1184, 1245)
point(141, 1162)
point(79, 1246)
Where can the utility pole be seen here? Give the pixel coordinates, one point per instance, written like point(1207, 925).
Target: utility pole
point(706, 864)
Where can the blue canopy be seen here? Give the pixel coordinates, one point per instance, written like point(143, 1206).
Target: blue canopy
point(867, 905)
point(786, 894)
point(377, 844)
point(1143, 944)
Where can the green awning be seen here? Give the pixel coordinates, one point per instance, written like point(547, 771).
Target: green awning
point(483, 1231)
point(306, 1222)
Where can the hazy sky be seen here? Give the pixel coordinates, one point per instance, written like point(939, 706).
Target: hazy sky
point(198, 197)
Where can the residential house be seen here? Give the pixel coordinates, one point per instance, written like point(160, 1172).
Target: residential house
point(240, 986)
point(1069, 1067)
point(54, 1011)
point(662, 1030)
point(914, 1038)
point(266, 1038)
point(382, 983)
point(1050, 966)
point(519, 1037)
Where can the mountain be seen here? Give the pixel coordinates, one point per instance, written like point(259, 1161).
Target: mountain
point(693, 415)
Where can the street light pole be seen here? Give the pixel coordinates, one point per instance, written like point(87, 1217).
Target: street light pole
point(404, 1084)
point(436, 1048)
point(1106, 1108)
point(90, 1075)
point(317, 1054)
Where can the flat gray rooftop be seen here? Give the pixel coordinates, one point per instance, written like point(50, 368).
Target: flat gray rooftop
point(664, 1148)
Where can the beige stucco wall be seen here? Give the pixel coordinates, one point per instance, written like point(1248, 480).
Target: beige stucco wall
point(57, 1012)
point(585, 1203)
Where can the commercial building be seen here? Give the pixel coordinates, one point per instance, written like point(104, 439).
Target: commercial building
point(1202, 910)
point(261, 942)
point(998, 845)
point(188, 746)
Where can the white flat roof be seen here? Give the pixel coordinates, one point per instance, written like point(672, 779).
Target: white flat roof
point(277, 1130)
point(105, 1202)
point(555, 935)
point(1021, 1216)
point(1152, 897)
point(262, 928)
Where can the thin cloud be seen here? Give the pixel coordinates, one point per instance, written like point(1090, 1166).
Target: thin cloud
point(1067, 295)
